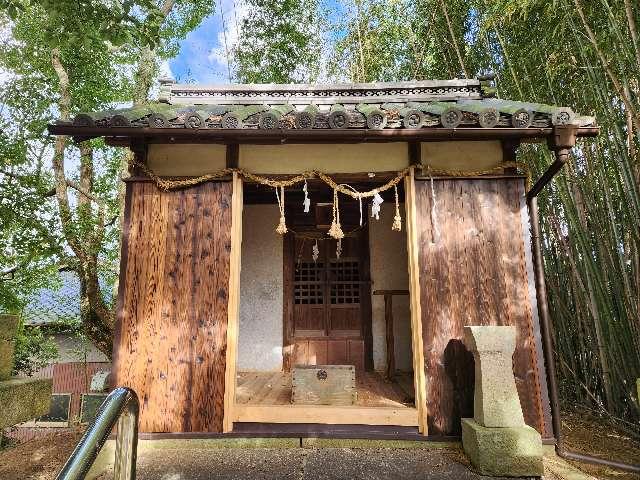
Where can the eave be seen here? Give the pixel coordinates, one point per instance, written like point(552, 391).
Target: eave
point(126, 135)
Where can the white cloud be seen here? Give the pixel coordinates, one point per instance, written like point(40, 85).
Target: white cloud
point(6, 37)
point(233, 12)
point(165, 69)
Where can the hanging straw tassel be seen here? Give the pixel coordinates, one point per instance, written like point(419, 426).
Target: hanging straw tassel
point(397, 220)
point(282, 226)
point(336, 230)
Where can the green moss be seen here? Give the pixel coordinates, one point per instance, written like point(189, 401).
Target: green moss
point(23, 399)
point(207, 443)
point(6, 359)
point(370, 443)
point(8, 326)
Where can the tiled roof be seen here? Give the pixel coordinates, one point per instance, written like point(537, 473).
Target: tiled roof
point(376, 106)
point(53, 306)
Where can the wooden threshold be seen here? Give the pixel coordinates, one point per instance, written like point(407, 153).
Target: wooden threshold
point(326, 414)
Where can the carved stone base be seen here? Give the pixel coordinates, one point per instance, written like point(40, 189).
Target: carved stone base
point(503, 451)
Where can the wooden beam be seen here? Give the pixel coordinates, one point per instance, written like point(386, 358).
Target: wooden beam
point(326, 414)
point(420, 381)
point(234, 304)
point(415, 153)
point(232, 154)
point(391, 347)
point(510, 154)
point(391, 292)
point(325, 135)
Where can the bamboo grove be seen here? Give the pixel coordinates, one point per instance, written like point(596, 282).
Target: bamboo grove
point(564, 52)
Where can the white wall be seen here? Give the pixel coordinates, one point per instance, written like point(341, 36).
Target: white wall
point(389, 271)
point(261, 289)
point(73, 348)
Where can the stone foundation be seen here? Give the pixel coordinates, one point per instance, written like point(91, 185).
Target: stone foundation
point(508, 451)
point(496, 440)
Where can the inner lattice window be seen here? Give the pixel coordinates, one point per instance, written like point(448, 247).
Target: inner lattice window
point(344, 270)
point(308, 287)
point(345, 282)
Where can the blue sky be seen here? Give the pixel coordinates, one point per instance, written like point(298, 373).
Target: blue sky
point(202, 58)
point(195, 62)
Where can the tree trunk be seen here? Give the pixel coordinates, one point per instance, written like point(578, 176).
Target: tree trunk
point(93, 325)
point(85, 233)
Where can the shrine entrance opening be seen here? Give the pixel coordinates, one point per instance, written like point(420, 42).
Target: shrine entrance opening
point(328, 288)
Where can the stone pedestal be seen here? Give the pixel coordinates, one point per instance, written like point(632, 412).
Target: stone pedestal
point(8, 327)
point(21, 399)
point(496, 440)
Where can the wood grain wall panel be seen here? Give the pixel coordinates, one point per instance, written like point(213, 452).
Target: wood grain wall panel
point(300, 353)
point(472, 272)
point(344, 318)
point(322, 351)
point(337, 352)
point(356, 354)
point(171, 331)
point(318, 352)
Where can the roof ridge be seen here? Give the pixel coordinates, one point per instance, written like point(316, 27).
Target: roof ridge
point(377, 92)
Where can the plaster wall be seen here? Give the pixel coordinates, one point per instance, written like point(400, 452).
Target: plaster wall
point(74, 348)
point(198, 159)
point(389, 271)
point(261, 290)
point(469, 155)
point(334, 158)
point(176, 160)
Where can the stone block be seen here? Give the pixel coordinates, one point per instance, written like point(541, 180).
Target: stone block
point(503, 452)
point(6, 359)
point(8, 328)
point(23, 399)
point(496, 402)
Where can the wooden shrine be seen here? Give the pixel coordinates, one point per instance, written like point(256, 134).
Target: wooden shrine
point(274, 226)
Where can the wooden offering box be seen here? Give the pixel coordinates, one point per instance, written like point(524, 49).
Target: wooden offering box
point(324, 385)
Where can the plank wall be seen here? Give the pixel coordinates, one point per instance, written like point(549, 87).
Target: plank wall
point(473, 271)
point(170, 340)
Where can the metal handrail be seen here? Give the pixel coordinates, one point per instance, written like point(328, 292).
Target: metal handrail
point(122, 407)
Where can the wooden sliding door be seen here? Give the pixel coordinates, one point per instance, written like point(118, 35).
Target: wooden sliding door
point(170, 341)
point(327, 300)
point(474, 269)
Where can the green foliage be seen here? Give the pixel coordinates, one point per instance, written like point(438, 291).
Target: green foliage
point(83, 22)
point(33, 350)
point(185, 16)
point(64, 57)
point(584, 54)
point(279, 42)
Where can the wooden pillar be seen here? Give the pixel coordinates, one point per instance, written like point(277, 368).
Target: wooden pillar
point(419, 377)
point(388, 318)
point(234, 304)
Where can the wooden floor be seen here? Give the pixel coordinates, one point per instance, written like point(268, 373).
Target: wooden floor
point(274, 388)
